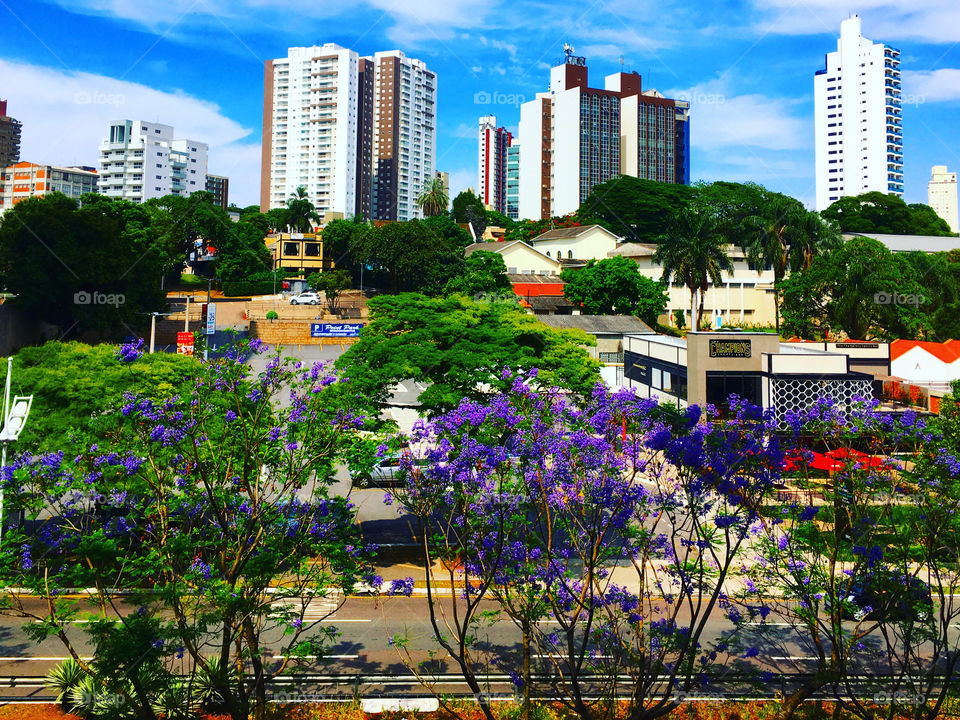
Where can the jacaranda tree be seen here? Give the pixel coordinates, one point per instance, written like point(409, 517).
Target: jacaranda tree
point(606, 530)
point(212, 511)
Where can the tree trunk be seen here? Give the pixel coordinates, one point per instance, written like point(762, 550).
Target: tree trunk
point(526, 669)
point(776, 305)
point(694, 316)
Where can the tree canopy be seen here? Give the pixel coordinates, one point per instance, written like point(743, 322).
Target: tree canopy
point(483, 272)
point(459, 347)
point(877, 212)
point(615, 286)
point(861, 289)
point(636, 210)
point(76, 387)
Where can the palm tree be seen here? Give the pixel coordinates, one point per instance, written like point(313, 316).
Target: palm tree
point(301, 213)
point(771, 238)
point(693, 251)
point(817, 236)
point(433, 199)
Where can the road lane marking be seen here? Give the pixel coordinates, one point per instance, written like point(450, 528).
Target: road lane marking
point(791, 657)
point(317, 657)
point(39, 657)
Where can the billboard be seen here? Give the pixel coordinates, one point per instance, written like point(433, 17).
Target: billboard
point(184, 343)
point(335, 330)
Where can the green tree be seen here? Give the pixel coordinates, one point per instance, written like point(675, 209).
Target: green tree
point(877, 212)
point(498, 219)
point(637, 210)
point(468, 208)
point(770, 239)
point(483, 272)
point(331, 283)
point(459, 347)
point(615, 286)
point(301, 214)
point(81, 268)
point(433, 198)
point(443, 226)
point(861, 289)
point(409, 256)
point(693, 251)
point(76, 387)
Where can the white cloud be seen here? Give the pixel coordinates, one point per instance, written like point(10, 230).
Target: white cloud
point(721, 120)
point(890, 21)
point(66, 115)
point(941, 85)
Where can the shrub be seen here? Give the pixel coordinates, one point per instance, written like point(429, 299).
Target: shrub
point(272, 315)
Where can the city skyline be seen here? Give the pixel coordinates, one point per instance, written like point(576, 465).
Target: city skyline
point(746, 68)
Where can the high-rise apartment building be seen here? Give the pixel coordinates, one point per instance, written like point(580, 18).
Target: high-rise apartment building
point(141, 160)
point(942, 195)
point(513, 181)
point(404, 135)
point(219, 187)
point(575, 137)
point(492, 163)
point(858, 129)
point(681, 143)
point(25, 180)
point(357, 133)
point(9, 137)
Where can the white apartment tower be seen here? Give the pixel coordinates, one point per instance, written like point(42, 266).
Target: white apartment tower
point(404, 135)
point(358, 133)
point(141, 160)
point(494, 147)
point(942, 195)
point(858, 136)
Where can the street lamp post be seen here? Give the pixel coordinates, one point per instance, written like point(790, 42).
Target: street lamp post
point(14, 418)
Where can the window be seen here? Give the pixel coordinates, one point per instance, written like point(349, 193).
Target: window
point(312, 249)
point(570, 254)
point(291, 248)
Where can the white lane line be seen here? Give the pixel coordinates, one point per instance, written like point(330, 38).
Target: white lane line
point(339, 620)
point(784, 624)
point(315, 657)
point(40, 657)
point(791, 657)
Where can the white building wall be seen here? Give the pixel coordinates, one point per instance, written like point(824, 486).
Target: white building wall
point(942, 195)
point(857, 119)
point(314, 142)
point(565, 176)
point(919, 366)
point(531, 133)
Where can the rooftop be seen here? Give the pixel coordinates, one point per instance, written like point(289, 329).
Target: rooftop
point(910, 243)
point(570, 232)
point(600, 324)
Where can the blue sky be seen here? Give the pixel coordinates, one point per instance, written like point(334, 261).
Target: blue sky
point(68, 67)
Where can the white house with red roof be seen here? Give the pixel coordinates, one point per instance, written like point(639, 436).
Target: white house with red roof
point(925, 362)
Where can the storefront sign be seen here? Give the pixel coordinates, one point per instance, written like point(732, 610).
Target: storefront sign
point(335, 329)
point(184, 343)
point(857, 346)
point(729, 348)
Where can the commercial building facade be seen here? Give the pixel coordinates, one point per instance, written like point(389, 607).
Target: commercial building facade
point(513, 181)
point(299, 252)
point(358, 133)
point(141, 160)
point(858, 125)
point(219, 187)
point(24, 180)
point(10, 131)
point(942, 195)
point(576, 137)
point(494, 147)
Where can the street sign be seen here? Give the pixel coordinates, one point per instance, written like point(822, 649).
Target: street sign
point(184, 343)
point(19, 409)
point(335, 329)
point(211, 318)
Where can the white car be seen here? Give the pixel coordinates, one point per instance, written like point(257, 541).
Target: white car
point(305, 298)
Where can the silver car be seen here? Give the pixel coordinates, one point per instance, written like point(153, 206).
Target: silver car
point(386, 473)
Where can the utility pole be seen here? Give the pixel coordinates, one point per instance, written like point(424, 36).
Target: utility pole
point(153, 329)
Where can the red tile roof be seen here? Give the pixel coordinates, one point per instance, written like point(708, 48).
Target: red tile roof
point(947, 352)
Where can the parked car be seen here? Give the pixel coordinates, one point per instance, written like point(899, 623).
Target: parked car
point(889, 597)
point(305, 298)
point(386, 473)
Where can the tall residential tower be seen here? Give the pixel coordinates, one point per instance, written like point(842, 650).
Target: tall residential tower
point(492, 163)
point(141, 160)
point(942, 195)
point(859, 141)
point(9, 137)
point(575, 137)
point(358, 133)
